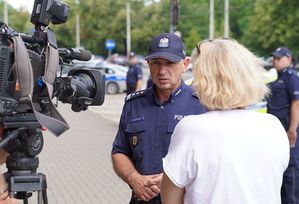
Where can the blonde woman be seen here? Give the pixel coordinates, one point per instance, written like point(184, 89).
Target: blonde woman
point(229, 154)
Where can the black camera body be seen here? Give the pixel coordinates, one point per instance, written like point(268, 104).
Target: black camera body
point(81, 88)
point(48, 11)
point(29, 80)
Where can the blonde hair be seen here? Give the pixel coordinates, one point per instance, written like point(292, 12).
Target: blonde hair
point(227, 75)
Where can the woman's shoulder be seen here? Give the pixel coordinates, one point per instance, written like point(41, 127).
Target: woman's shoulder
point(195, 121)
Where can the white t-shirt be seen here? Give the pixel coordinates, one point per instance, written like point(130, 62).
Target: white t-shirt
point(228, 157)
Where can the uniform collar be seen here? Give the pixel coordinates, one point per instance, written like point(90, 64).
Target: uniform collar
point(284, 71)
point(176, 93)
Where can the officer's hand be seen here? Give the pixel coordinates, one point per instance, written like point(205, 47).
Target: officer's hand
point(143, 186)
point(5, 199)
point(292, 137)
point(155, 182)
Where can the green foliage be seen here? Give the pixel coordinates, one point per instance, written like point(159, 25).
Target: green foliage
point(148, 21)
point(194, 22)
point(194, 19)
point(240, 10)
point(191, 40)
point(102, 20)
point(261, 25)
point(18, 20)
point(275, 23)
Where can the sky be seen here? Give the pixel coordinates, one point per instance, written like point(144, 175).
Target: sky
point(19, 3)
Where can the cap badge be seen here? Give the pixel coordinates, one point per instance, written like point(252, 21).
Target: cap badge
point(164, 42)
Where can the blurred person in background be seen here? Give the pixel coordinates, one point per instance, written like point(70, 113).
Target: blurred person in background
point(149, 82)
point(230, 154)
point(149, 117)
point(297, 62)
point(284, 104)
point(134, 75)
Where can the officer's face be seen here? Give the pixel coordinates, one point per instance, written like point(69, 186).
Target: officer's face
point(133, 60)
point(281, 62)
point(166, 75)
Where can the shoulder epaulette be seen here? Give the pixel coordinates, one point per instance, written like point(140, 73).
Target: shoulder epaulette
point(290, 72)
point(137, 94)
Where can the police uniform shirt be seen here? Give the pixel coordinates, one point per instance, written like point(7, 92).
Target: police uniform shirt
point(283, 91)
point(146, 126)
point(134, 74)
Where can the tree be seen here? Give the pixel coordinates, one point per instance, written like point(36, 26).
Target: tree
point(148, 21)
point(194, 20)
point(107, 20)
point(19, 20)
point(262, 25)
point(274, 24)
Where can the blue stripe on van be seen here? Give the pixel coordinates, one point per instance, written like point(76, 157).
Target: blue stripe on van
point(115, 78)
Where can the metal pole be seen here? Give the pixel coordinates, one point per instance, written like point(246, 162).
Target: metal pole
point(128, 29)
point(77, 25)
point(211, 26)
point(5, 13)
point(78, 31)
point(226, 18)
point(171, 27)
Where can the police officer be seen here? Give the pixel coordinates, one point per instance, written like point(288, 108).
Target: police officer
point(134, 75)
point(283, 102)
point(149, 118)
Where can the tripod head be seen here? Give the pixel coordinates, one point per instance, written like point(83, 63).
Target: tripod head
point(24, 141)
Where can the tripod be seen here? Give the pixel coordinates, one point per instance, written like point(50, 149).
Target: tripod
point(23, 180)
point(24, 144)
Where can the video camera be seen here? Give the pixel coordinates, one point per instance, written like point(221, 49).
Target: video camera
point(28, 84)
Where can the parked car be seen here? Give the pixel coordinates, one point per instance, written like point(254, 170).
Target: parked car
point(268, 63)
point(115, 75)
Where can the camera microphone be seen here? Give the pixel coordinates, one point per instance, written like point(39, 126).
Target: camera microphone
point(74, 53)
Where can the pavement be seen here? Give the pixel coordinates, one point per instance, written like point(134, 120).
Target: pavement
point(77, 164)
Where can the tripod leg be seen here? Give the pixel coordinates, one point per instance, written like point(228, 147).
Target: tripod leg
point(39, 197)
point(42, 197)
point(45, 197)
